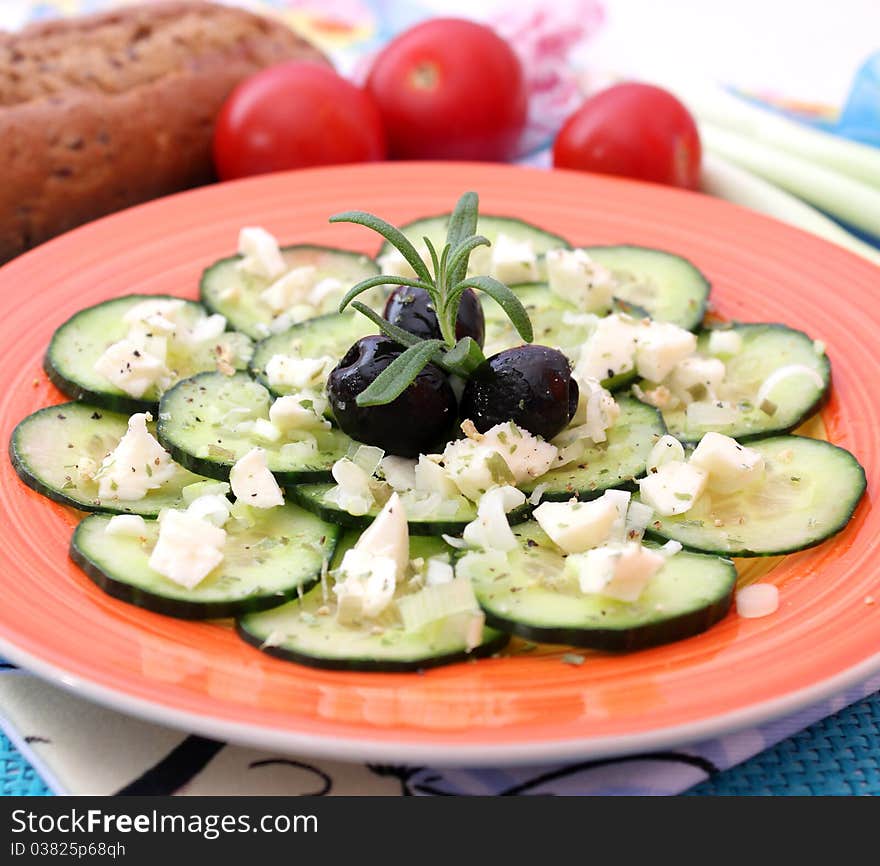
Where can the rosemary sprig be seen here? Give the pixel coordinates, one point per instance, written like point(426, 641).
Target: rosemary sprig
point(445, 288)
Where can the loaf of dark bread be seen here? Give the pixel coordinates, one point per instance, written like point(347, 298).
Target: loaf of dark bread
point(106, 111)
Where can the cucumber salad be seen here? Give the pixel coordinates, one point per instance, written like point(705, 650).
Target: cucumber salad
point(396, 463)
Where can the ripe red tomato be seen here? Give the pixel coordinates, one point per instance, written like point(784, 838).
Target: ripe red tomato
point(634, 130)
point(450, 89)
point(295, 115)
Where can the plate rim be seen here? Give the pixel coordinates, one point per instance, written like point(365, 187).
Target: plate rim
point(352, 749)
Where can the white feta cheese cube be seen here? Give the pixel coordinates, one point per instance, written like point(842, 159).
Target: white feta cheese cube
point(673, 488)
point(137, 465)
point(261, 255)
point(265, 430)
point(365, 584)
point(723, 342)
point(729, 465)
point(620, 572)
point(490, 530)
point(399, 472)
point(513, 261)
point(253, 483)
point(302, 410)
point(126, 526)
point(696, 378)
point(130, 368)
point(213, 507)
point(438, 570)
point(575, 277)
point(431, 477)
point(388, 535)
point(326, 292)
point(577, 526)
point(293, 288)
point(204, 330)
point(189, 548)
point(660, 346)
point(289, 371)
point(610, 350)
point(353, 492)
point(526, 455)
point(475, 468)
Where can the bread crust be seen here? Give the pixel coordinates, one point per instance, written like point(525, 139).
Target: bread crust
point(105, 111)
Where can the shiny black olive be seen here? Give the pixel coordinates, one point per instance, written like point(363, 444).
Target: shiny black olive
point(419, 421)
point(529, 385)
point(410, 308)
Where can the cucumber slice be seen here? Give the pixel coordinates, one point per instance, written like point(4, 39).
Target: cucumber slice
point(687, 596)
point(297, 632)
point(277, 557)
point(765, 348)
point(547, 312)
point(82, 339)
point(614, 463)
point(333, 335)
point(669, 287)
point(197, 419)
point(236, 294)
point(50, 449)
point(809, 493)
point(435, 227)
point(311, 497)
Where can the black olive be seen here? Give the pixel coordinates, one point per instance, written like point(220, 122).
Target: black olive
point(419, 421)
point(529, 385)
point(410, 308)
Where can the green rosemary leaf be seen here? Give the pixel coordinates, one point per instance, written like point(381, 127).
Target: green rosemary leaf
point(399, 374)
point(462, 224)
point(380, 280)
point(405, 338)
point(393, 235)
point(505, 298)
point(432, 251)
point(464, 357)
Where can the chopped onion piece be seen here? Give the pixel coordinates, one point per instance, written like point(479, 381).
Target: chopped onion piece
point(784, 373)
point(368, 457)
point(638, 516)
point(757, 600)
point(436, 602)
point(537, 493)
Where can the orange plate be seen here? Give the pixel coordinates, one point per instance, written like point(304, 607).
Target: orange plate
point(525, 708)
